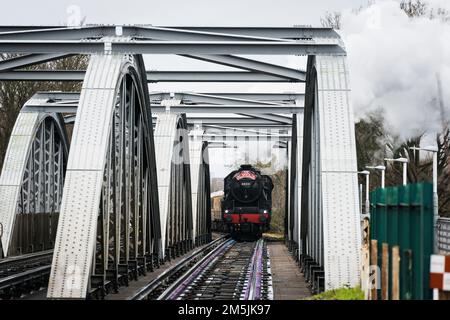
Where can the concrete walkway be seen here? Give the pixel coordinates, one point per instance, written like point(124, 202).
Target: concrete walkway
point(288, 282)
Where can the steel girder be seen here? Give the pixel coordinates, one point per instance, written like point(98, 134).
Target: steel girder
point(244, 137)
point(292, 33)
point(168, 32)
point(67, 102)
point(137, 32)
point(152, 76)
point(223, 121)
point(255, 109)
point(31, 183)
point(200, 180)
point(252, 65)
point(301, 47)
point(174, 184)
point(109, 221)
point(186, 97)
point(199, 98)
point(98, 39)
point(330, 236)
point(214, 76)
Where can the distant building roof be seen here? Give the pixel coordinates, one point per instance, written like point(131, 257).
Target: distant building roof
point(217, 194)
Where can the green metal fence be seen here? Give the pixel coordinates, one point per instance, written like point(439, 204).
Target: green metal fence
point(403, 216)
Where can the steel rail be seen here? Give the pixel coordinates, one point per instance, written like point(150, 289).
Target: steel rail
point(145, 291)
point(24, 258)
point(18, 273)
point(22, 277)
point(253, 289)
point(177, 288)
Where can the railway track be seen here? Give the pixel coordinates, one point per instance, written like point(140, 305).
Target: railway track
point(23, 274)
point(27, 274)
point(232, 271)
point(223, 269)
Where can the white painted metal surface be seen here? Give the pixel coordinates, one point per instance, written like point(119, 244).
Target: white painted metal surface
point(75, 239)
point(338, 178)
point(14, 167)
point(298, 193)
point(171, 147)
point(164, 136)
point(195, 161)
point(13, 170)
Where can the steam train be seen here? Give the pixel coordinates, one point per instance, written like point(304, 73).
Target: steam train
point(247, 202)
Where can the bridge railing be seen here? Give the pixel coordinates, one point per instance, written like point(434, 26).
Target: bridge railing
point(444, 235)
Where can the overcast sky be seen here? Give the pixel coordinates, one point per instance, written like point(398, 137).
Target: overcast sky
point(183, 13)
point(176, 12)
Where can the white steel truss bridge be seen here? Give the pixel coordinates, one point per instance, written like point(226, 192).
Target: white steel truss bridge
point(131, 189)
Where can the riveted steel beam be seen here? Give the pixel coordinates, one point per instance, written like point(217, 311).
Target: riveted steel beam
point(193, 97)
point(152, 76)
point(158, 96)
point(240, 109)
point(139, 32)
point(301, 47)
point(252, 65)
point(259, 96)
point(293, 33)
point(235, 122)
point(296, 32)
point(243, 137)
point(201, 108)
point(214, 76)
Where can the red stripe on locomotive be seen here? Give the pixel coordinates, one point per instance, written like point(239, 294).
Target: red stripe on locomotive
point(237, 218)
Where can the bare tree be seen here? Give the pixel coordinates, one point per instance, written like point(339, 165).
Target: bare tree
point(13, 94)
point(420, 8)
point(332, 20)
point(413, 8)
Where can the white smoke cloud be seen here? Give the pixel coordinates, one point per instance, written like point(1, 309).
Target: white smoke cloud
point(394, 61)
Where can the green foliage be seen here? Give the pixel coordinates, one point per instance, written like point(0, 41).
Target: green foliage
point(340, 294)
point(370, 139)
point(277, 222)
point(278, 196)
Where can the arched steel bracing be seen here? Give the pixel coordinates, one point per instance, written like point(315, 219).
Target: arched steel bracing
point(109, 224)
point(330, 243)
point(295, 149)
point(200, 185)
point(31, 183)
point(174, 184)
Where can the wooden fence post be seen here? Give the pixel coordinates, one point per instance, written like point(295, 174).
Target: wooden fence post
point(385, 272)
point(365, 253)
point(395, 273)
point(374, 266)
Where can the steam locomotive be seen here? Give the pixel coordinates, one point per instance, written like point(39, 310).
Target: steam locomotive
point(247, 202)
